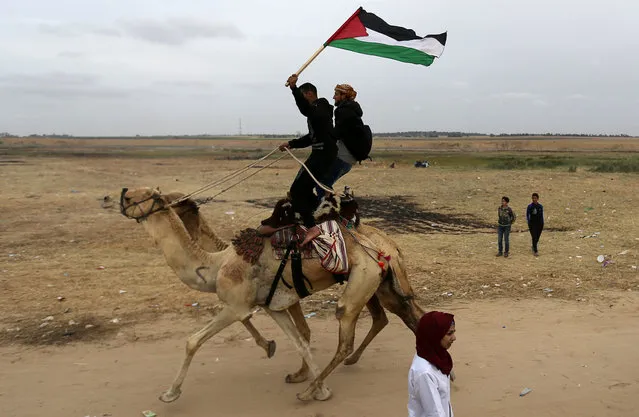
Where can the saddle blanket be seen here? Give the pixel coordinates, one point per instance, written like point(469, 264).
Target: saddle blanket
point(329, 246)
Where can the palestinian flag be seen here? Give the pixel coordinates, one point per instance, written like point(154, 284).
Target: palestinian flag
point(366, 33)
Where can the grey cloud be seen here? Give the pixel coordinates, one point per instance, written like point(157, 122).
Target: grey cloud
point(69, 30)
point(168, 32)
point(71, 54)
point(515, 96)
point(183, 84)
point(578, 97)
point(59, 85)
point(178, 31)
point(107, 32)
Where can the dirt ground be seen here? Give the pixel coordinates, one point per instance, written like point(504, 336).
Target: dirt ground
point(578, 359)
point(93, 321)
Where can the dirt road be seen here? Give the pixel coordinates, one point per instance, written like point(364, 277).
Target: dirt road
point(579, 360)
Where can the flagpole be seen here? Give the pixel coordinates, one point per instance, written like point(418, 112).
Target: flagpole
point(307, 63)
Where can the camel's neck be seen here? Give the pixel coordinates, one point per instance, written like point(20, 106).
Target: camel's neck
point(196, 267)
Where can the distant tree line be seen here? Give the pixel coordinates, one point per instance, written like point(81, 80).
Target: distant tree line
point(410, 134)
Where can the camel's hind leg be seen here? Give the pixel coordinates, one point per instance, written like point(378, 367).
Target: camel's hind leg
point(302, 326)
point(283, 319)
point(379, 322)
point(361, 287)
point(268, 345)
point(223, 318)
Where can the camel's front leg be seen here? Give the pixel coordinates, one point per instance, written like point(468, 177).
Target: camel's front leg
point(379, 322)
point(283, 319)
point(268, 345)
point(224, 317)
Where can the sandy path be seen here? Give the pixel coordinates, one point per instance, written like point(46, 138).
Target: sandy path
point(580, 360)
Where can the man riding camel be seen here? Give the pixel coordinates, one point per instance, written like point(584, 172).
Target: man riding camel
point(319, 116)
point(348, 124)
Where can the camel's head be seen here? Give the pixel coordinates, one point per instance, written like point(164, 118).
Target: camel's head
point(140, 203)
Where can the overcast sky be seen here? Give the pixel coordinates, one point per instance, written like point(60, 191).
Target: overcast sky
point(114, 67)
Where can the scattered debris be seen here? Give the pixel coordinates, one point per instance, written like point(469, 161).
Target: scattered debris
point(422, 164)
point(192, 305)
point(49, 318)
point(101, 267)
point(116, 321)
point(596, 234)
point(122, 292)
point(525, 391)
point(230, 213)
point(623, 252)
point(548, 290)
point(61, 298)
point(601, 258)
point(309, 315)
point(148, 413)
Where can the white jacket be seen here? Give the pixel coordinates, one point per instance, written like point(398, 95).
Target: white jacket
point(428, 390)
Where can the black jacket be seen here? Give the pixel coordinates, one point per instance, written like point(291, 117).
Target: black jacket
point(348, 122)
point(319, 117)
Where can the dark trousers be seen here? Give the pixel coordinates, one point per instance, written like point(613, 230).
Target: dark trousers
point(535, 233)
point(337, 171)
point(302, 197)
point(503, 232)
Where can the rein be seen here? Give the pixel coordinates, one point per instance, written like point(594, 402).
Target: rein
point(153, 209)
point(241, 171)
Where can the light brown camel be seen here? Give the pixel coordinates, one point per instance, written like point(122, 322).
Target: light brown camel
point(241, 286)
point(386, 297)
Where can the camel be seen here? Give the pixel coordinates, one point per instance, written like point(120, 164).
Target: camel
point(200, 232)
point(242, 286)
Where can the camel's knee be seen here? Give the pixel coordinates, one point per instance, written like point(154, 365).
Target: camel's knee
point(192, 344)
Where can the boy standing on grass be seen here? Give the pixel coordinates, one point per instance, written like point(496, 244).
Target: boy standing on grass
point(506, 217)
point(535, 217)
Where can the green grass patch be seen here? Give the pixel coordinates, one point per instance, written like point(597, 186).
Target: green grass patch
point(626, 166)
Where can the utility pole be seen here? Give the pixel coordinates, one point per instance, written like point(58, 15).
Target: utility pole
point(240, 129)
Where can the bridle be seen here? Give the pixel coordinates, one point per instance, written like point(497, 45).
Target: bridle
point(154, 209)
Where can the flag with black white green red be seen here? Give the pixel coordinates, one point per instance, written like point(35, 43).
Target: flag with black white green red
point(366, 33)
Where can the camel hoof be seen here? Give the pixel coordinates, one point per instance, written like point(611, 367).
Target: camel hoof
point(297, 377)
point(351, 360)
point(312, 393)
point(323, 394)
point(170, 396)
point(270, 350)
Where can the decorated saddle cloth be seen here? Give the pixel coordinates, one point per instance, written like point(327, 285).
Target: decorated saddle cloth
point(329, 246)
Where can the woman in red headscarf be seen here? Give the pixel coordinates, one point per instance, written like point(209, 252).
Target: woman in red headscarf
point(429, 375)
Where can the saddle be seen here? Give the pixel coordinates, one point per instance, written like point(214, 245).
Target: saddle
point(284, 233)
point(345, 211)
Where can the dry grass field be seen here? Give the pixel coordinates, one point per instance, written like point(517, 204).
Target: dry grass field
point(73, 271)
